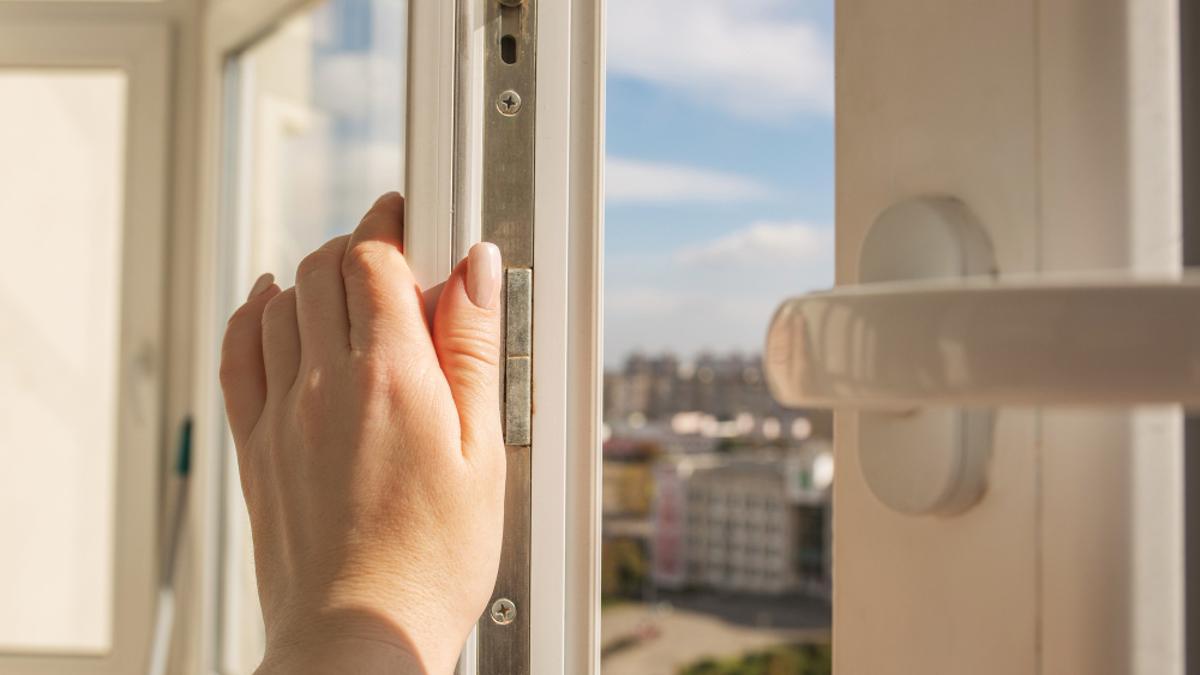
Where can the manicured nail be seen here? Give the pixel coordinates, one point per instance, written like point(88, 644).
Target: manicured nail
point(264, 282)
point(483, 275)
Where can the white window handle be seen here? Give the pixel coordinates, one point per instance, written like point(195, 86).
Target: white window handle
point(983, 342)
point(933, 338)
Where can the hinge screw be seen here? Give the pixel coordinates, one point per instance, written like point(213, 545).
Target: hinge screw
point(508, 103)
point(503, 612)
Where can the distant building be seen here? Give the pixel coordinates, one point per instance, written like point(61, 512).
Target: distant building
point(628, 487)
point(649, 389)
point(708, 483)
point(744, 524)
point(658, 435)
point(669, 544)
point(627, 498)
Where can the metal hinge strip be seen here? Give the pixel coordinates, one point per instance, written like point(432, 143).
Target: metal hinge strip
point(518, 384)
point(507, 210)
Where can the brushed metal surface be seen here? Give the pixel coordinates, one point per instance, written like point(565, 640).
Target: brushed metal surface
point(517, 390)
point(504, 649)
point(507, 221)
point(518, 339)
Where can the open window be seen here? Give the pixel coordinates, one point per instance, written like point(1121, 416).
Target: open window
point(155, 154)
point(716, 534)
point(325, 105)
point(201, 141)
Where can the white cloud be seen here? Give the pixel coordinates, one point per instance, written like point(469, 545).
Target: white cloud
point(740, 55)
point(714, 295)
point(631, 180)
point(685, 322)
point(763, 243)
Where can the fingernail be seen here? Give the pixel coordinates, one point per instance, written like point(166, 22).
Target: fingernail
point(264, 282)
point(483, 275)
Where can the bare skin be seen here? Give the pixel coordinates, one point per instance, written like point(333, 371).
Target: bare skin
point(368, 436)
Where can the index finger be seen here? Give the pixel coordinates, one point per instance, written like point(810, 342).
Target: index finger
point(383, 223)
point(383, 300)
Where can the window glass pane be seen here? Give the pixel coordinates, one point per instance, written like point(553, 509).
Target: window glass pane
point(319, 135)
point(61, 183)
point(325, 95)
point(719, 205)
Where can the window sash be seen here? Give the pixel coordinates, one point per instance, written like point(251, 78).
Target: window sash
point(140, 50)
point(565, 547)
point(564, 631)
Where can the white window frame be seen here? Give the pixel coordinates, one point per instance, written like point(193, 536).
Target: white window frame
point(569, 305)
point(567, 301)
point(1066, 147)
point(63, 37)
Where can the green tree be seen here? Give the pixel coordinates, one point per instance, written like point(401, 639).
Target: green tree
point(796, 659)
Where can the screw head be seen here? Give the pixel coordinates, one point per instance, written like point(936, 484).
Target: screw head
point(503, 612)
point(508, 103)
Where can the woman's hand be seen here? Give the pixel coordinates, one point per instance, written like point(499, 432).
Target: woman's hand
point(370, 452)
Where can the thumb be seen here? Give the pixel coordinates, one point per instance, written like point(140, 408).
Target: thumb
point(466, 334)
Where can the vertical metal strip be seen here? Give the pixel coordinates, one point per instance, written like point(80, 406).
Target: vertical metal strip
point(1189, 78)
point(509, 104)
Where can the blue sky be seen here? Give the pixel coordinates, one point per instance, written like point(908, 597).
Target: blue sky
point(720, 169)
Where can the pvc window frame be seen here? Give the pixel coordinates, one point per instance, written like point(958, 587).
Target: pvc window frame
point(119, 39)
point(568, 287)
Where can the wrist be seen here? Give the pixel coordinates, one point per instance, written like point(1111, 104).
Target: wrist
point(346, 642)
point(352, 655)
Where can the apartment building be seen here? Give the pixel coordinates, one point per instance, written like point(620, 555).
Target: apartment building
point(754, 524)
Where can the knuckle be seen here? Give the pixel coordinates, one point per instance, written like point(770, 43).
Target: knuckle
point(370, 285)
point(238, 317)
point(279, 307)
point(474, 380)
point(364, 260)
point(319, 261)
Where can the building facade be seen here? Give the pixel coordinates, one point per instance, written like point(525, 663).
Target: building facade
point(756, 525)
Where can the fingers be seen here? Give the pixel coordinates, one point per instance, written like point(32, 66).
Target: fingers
point(429, 300)
point(466, 334)
point(280, 344)
point(321, 302)
point(383, 300)
point(243, 375)
point(384, 222)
